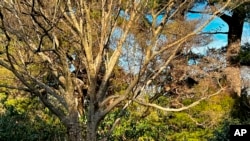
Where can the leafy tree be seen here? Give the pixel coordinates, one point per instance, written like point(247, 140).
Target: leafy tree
point(23, 119)
point(239, 14)
point(197, 123)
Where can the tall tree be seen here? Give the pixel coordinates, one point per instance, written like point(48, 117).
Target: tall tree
point(66, 53)
point(239, 13)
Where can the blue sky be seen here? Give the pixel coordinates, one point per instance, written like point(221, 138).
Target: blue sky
point(220, 40)
point(216, 25)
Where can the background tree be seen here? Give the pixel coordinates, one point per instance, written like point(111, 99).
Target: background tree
point(238, 14)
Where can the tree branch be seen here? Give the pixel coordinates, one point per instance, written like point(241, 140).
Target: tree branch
point(213, 33)
point(115, 56)
point(226, 18)
point(178, 109)
point(14, 87)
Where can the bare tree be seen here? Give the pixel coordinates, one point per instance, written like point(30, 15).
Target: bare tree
point(65, 52)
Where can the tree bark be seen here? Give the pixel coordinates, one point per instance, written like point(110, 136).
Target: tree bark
point(91, 131)
point(234, 35)
point(92, 123)
point(235, 24)
point(74, 131)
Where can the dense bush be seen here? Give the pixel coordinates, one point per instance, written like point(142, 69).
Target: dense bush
point(244, 56)
point(22, 120)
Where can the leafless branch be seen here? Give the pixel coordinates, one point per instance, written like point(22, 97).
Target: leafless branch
point(213, 33)
point(178, 109)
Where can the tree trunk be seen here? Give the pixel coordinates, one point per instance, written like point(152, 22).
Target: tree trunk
point(234, 35)
point(235, 23)
point(91, 131)
point(92, 123)
point(74, 131)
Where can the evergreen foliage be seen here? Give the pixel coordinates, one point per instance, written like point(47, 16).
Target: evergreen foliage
point(24, 120)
